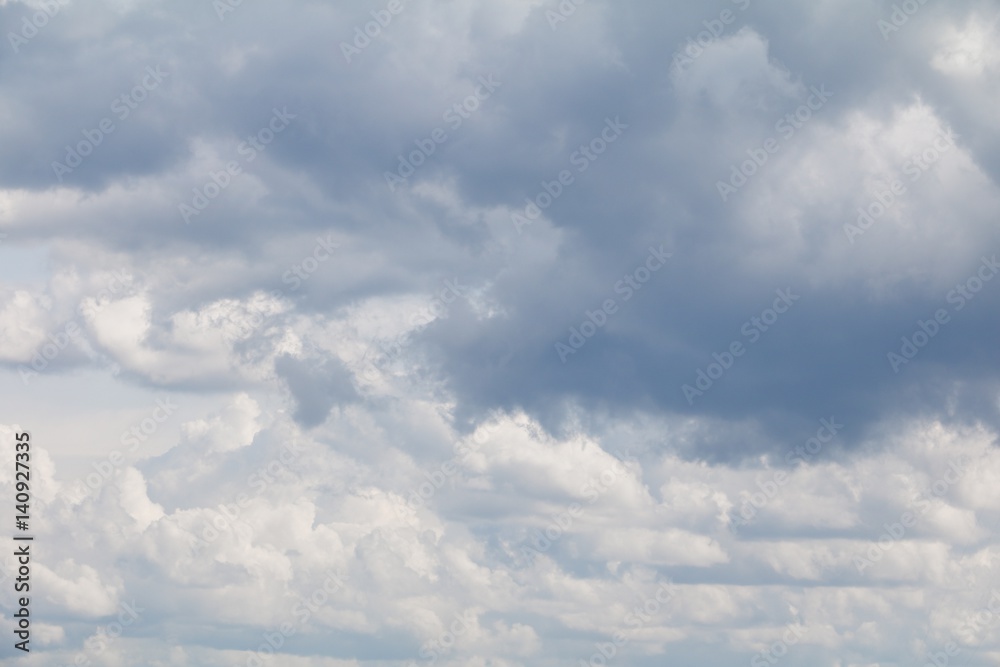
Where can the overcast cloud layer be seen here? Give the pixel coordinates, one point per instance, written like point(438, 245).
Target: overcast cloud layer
point(455, 332)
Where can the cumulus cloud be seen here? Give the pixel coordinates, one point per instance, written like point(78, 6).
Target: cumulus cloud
point(284, 288)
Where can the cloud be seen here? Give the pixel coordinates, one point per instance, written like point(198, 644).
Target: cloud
point(380, 454)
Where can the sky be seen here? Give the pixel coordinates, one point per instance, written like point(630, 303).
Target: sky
point(529, 333)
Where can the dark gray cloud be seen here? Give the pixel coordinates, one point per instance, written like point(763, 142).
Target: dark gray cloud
point(316, 389)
